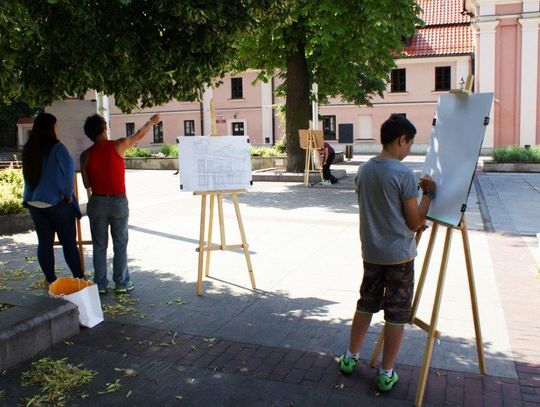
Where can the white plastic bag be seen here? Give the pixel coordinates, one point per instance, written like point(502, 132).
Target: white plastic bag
point(84, 294)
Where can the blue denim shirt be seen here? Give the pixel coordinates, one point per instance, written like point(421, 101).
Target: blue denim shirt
point(56, 182)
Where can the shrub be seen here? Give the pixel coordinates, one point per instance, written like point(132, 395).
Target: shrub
point(281, 145)
point(517, 154)
point(263, 151)
point(11, 191)
point(138, 152)
point(169, 150)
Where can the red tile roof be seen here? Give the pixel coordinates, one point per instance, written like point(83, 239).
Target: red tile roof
point(446, 32)
point(437, 12)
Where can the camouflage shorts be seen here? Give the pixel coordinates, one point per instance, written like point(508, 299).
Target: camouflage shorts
point(388, 287)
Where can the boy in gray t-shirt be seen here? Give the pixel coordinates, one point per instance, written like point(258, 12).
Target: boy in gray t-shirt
point(389, 217)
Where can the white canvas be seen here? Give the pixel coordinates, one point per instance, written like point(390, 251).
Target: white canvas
point(70, 116)
point(214, 163)
point(455, 145)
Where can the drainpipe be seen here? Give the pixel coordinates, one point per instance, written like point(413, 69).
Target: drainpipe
point(202, 117)
point(273, 141)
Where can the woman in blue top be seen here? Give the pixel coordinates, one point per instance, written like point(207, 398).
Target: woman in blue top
point(48, 194)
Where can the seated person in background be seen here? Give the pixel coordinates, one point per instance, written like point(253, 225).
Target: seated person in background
point(327, 157)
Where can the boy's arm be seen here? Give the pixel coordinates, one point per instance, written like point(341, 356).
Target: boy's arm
point(415, 213)
point(123, 144)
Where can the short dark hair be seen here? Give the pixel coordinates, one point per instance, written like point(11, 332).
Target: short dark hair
point(396, 126)
point(94, 126)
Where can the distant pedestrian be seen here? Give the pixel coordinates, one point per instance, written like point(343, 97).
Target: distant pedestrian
point(327, 158)
point(103, 171)
point(389, 217)
point(48, 172)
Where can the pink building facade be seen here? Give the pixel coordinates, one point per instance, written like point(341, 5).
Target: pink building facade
point(507, 54)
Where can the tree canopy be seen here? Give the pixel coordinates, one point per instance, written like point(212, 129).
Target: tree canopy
point(347, 47)
point(141, 51)
point(147, 52)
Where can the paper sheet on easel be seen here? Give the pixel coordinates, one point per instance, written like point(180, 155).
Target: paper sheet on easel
point(455, 146)
point(214, 163)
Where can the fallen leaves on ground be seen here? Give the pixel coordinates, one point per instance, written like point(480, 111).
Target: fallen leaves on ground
point(56, 378)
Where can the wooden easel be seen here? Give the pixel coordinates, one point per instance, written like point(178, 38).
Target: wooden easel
point(78, 228)
point(313, 161)
point(431, 328)
point(206, 249)
point(209, 247)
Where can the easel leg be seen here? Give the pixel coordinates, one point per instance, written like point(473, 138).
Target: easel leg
point(201, 246)
point(80, 242)
point(244, 242)
point(306, 166)
point(474, 302)
point(423, 274)
point(221, 222)
point(428, 350)
point(377, 350)
point(209, 240)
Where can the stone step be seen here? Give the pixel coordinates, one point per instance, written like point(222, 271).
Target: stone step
point(274, 174)
point(32, 324)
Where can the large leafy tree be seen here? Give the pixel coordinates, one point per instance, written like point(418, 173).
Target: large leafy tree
point(145, 52)
point(346, 47)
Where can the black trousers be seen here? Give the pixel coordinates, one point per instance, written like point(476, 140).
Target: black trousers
point(327, 175)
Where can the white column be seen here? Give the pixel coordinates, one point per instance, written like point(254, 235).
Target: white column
point(529, 80)
point(485, 69)
point(207, 122)
point(266, 111)
point(531, 6)
point(315, 107)
point(462, 71)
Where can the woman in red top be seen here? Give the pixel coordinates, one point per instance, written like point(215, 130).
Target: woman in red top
point(103, 173)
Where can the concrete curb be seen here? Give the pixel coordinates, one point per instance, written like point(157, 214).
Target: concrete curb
point(15, 223)
point(33, 324)
point(493, 166)
point(274, 175)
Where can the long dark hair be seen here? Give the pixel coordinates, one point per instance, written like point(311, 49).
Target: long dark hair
point(42, 139)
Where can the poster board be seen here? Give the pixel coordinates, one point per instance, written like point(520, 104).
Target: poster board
point(319, 138)
point(70, 116)
point(456, 140)
point(211, 163)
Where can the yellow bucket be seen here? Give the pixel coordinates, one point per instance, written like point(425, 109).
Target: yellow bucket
point(68, 285)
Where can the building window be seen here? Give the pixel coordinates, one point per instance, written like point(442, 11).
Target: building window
point(237, 91)
point(329, 127)
point(404, 115)
point(130, 129)
point(158, 132)
point(397, 80)
point(189, 127)
point(442, 78)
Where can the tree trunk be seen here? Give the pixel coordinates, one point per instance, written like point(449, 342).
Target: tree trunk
point(298, 107)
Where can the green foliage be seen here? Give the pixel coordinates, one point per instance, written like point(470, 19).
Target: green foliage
point(369, 34)
point(11, 191)
point(137, 152)
point(517, 154)
point(263, 151)
point(169, 150)
point(347, 47)
point(143, 52)
point(165, 151)
point(281, 145)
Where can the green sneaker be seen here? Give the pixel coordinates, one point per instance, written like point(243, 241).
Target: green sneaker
point(121, 289)
point(347, 365)
point(385, 383)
